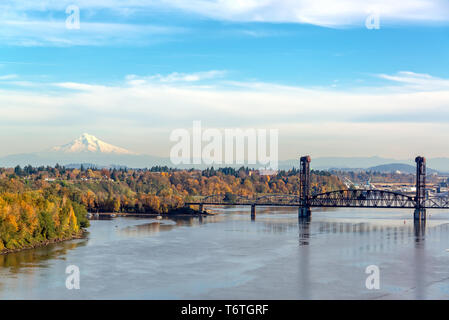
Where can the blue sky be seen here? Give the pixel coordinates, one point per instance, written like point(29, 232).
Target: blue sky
point(312, 69)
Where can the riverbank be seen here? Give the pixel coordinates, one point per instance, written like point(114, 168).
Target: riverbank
point(78, 235)
point(171, 213)
point(187, 211)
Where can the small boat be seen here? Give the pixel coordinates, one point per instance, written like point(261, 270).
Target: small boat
point(159, 217)
point(113, 215)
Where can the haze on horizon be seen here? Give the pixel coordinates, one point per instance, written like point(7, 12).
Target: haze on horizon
point(90, 144)
point(134, 72)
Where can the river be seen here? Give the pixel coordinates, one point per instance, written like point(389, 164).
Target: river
point(230, 256)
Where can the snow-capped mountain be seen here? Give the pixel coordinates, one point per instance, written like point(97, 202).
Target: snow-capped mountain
point(90, 144)
point(85, 149)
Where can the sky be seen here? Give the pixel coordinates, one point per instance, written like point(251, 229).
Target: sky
point(322, 72)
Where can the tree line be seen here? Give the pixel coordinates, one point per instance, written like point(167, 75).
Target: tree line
point(33, 217)
point(152, 191)
point(47, 203)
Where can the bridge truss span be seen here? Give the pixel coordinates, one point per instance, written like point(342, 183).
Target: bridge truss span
point(437, 203)
point(340, 198)
point(218, 199)
point(265, 200)
point(362, 198)
point(353, 198)
point(278, 199)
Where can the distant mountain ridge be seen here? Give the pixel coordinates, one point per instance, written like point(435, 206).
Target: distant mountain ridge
point(325, 163)
point(370, 163)
point(89, 149)
point(403, 168)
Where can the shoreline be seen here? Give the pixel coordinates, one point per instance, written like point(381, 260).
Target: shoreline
point(177, 212)
point(79, 235)
point(180, 212)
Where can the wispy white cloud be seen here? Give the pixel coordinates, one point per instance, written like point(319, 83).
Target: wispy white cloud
point(256, 100)
point(77, 86)
point(8, 76)
point(330, 13)
point(319, 117)
point(417, 81)
point(319, 12)
point(42, 23)
point(25, 32)
point(176, 77)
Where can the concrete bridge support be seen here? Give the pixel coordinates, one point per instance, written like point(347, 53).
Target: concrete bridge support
point(253, 212)
point(201, 208)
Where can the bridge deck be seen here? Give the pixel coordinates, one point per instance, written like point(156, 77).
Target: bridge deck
point(334, 199)
point(299, 205)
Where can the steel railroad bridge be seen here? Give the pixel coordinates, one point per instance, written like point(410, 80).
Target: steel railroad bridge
point(338, 199)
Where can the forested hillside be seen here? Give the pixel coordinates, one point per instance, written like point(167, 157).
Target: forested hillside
point(33, 217)
point(42, 204)
point(155, 190)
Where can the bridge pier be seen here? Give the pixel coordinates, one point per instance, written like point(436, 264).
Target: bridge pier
point(304, 187)
point(253, 212)
point(420, 209)
point(201, 208)
point(304, 230)
point(420, 230)
point(420, 214)
point(304, 212)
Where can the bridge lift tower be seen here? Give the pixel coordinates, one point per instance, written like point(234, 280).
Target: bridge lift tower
point(420, 209)
point(304, 188)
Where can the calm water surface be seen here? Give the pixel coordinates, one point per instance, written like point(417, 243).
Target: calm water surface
point(229, 256)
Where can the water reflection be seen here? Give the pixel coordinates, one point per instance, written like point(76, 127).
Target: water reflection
point(419, 263)
point(371, 236)
point(420, 230)
point(359, 237)
point(38, 257)
point(101, 217)
point(146, 229)
point(277, 255)
point(167, 224)
point(304, 230)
